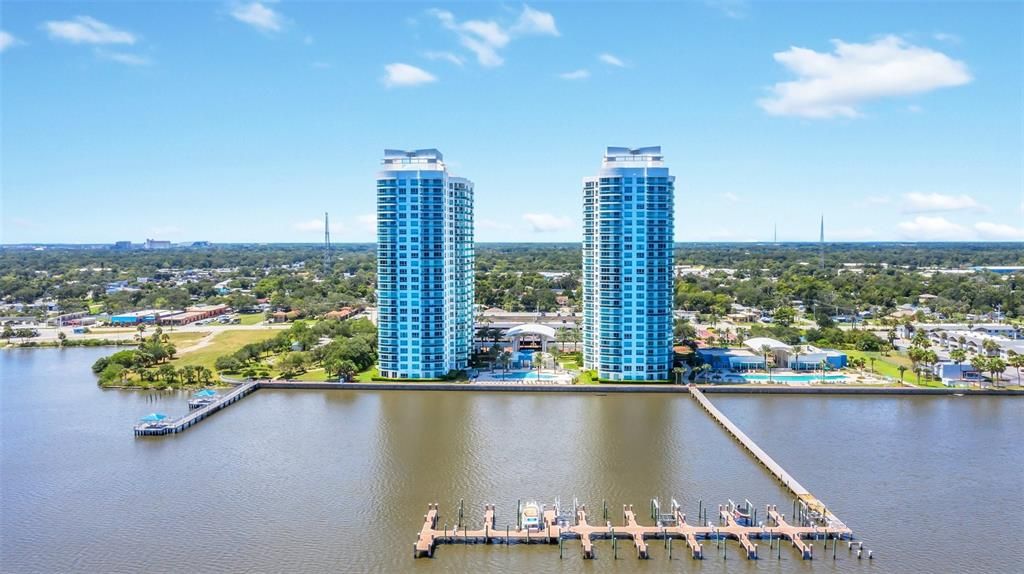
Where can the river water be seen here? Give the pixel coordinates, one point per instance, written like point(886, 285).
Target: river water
point(338, 481)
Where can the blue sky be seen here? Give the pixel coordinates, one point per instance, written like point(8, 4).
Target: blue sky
point(245, 121)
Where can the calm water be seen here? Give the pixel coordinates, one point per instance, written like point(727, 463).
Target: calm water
point(290, 481)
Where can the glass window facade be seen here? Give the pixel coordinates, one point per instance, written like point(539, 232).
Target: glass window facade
point(424, 266)
point(628, 234)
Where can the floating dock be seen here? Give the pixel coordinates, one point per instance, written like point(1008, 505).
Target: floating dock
point(161, 428)
point(674, 526)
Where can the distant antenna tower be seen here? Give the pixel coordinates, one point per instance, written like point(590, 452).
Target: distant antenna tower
point(775, 233)
point(821, 244)
point(327, 246)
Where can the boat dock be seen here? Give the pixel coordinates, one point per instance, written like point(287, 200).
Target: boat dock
point(554, 531)
point(810, 520)
point(810, 506)
point(166, 427)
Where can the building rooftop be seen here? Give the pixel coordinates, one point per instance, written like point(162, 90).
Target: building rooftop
point(415, 159)
point(756, 343)
point(633, 157)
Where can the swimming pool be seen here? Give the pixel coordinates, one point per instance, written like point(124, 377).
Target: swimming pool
point(795, 378)
point(525, 376)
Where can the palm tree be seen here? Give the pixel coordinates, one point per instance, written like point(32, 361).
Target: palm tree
point(872, 361)
point(990, 347)
point(997, 367)
point(765, 351)
point(902, 369)
point(1017, 362)
point(205, 375)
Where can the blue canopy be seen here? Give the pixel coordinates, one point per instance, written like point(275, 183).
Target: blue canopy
point(153, 417)
point(205, 393)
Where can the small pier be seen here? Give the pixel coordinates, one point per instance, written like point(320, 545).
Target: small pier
point(810, 507)
point(174, 426)
point(668, 528)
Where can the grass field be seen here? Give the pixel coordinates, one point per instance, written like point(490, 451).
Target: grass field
point(224, 343)
point(367, 375)
point(182, 340)
point(888, 366)
point(252, 319)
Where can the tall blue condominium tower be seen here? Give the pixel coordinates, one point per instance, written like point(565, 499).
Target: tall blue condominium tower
point(627, 266)
point(424, 266)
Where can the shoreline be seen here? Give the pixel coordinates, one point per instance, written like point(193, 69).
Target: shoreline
point(624, 388)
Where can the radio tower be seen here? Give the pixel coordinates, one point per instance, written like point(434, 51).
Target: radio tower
point(821, 244)
point(327, 246)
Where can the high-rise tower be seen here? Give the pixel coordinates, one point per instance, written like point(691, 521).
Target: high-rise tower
point(627, 266)
point(424, 266)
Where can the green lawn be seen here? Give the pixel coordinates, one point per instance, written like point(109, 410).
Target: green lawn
point(182, 340)
point(367, 375)
point(224, 343)
point(315, 375)
point(251, 319)
point(888, 366)
point(570, 365)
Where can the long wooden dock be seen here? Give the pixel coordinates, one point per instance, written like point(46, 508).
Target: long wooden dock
point(175, 426)
point(775, 530)
point(811, 506)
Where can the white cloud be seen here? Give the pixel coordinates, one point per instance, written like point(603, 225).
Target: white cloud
point(446, 56)
point(7, 40)
point(611, 60)
point(581, 74)
point(399, 75)
point(946, 37)
point(932, 228)
point(877, 199)
point(258, 16)
point(87, 30)
point(999, 231)
point(486, 37)
point(925, 202)
point(731, 197)
point(547, 222)
point(535, 22)
point(830, 85)
point(124, 58)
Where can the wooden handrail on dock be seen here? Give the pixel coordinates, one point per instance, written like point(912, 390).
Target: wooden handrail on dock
point(550, 532)
point(175, 426)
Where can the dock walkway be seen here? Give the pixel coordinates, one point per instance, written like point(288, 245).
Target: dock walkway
point(161, 428)
point(813, 506)
point(778, 529)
